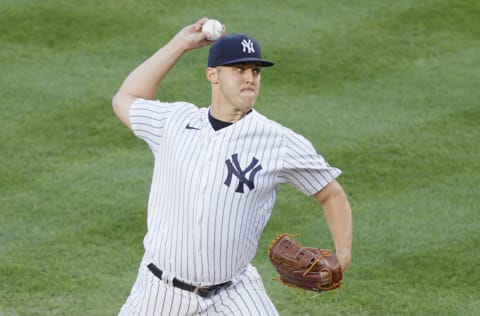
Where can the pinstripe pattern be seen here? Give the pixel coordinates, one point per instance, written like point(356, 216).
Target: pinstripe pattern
point(200, 228)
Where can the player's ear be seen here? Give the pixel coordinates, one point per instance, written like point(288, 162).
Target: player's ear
point(212, 75)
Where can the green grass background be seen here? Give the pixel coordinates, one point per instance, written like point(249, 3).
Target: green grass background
point(386, 90)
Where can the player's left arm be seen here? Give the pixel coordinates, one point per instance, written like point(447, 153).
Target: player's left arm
point(338, 215)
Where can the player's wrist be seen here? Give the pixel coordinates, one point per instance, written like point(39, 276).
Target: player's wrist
point(345, 260)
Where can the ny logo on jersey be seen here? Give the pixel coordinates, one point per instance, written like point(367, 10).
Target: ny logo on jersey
point(234, 168)
point(248, 46)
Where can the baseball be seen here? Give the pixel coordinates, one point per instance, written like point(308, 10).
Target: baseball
point(213, 28)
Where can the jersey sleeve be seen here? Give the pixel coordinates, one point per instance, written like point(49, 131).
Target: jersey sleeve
point(148, 118)
point(303, 167)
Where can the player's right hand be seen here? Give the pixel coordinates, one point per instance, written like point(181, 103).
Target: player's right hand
point(192, 36)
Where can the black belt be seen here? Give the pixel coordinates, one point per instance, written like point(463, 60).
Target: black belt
point(205, 291)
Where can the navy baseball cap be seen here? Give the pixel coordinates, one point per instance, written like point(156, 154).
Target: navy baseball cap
point(235, 48)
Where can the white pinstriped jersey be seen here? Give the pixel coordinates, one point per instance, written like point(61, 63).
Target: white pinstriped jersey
point(212, 192)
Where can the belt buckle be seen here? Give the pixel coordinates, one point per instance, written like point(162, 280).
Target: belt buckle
point(208, 291)
point(203, 291)
point(195, 290)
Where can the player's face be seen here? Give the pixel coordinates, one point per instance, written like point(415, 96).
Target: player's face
point(239, 85)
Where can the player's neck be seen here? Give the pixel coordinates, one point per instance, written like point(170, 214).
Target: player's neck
point(229, 116)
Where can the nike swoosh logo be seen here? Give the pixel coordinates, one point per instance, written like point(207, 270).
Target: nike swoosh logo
point(191, 127)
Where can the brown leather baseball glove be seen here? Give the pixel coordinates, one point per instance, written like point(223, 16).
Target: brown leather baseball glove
point(307, 268)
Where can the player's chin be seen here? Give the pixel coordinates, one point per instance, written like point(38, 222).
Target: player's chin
point(248, 101)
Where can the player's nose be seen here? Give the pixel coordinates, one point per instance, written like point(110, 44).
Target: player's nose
point(248, 75)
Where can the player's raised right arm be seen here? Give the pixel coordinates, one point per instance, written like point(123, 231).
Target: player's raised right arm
point(144, 81)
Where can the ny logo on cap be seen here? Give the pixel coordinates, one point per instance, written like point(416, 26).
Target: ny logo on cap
point(248, 46)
